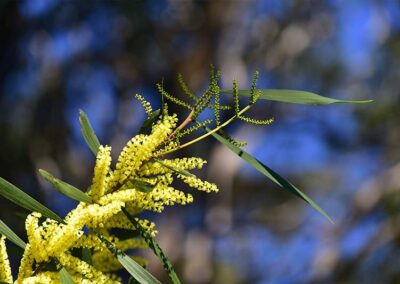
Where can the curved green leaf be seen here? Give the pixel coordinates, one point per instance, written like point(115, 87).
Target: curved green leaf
point(66, 188)
point(269, 173)
point(153, 245)
point(88, 132)
point(10, 235)
point(134, 269)
point(295, 97)
point(19, 197)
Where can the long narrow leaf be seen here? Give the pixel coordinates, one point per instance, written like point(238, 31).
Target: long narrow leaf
point(65, 278)
point(269, 173)
point(66, 188)
point(10, 235)
point(14, 194)
point(153, 245)
point(295, 97)
point(88, 133)
point(134, 269)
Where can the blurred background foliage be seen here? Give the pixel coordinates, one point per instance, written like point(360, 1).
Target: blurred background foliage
point(59, 56)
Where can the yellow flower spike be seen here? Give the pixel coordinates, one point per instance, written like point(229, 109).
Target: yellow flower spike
point(35, 236)
point(90, 241)
point(155, 168)
point(90, 215)
point(43, 277)
point(5, 269)
point(25, 268)
point(199, 184)
point(87, 271)
point(140, 148)
point(101, 169)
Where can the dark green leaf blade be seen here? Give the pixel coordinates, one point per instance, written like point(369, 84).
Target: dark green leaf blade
point(19, 197)
point(269, 173)
point(295, 97)
point(66, 188)
point(153, 245)
point(134, 269)
point(65, 278)
point(10, 235)
point(88, 133)
point(142, 186)
point(87, 255)
point(149, 122)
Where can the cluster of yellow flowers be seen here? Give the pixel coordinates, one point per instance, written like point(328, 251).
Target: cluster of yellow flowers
point(110, 191)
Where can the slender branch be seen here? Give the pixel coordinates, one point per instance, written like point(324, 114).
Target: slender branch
point(208, 133)
point(181, 126)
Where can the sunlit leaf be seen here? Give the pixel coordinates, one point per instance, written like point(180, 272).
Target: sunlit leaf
point(88, 133)
point(295, 97)
point(14, 194)
point(65, 277)
point(66, 188)
point(10, 235)
point(153, 245)
point(134, 269)
point(269, 173)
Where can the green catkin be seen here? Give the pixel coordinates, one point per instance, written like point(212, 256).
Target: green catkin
point(236, 97)
point(172, 98)
point(146, 105)
point(217, 110)
point(256, 121)
point(254, 94)
point(185, 88)
point(193, 128)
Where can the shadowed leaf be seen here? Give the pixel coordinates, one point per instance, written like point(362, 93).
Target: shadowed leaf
point(142, 186)
point(149, 122)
